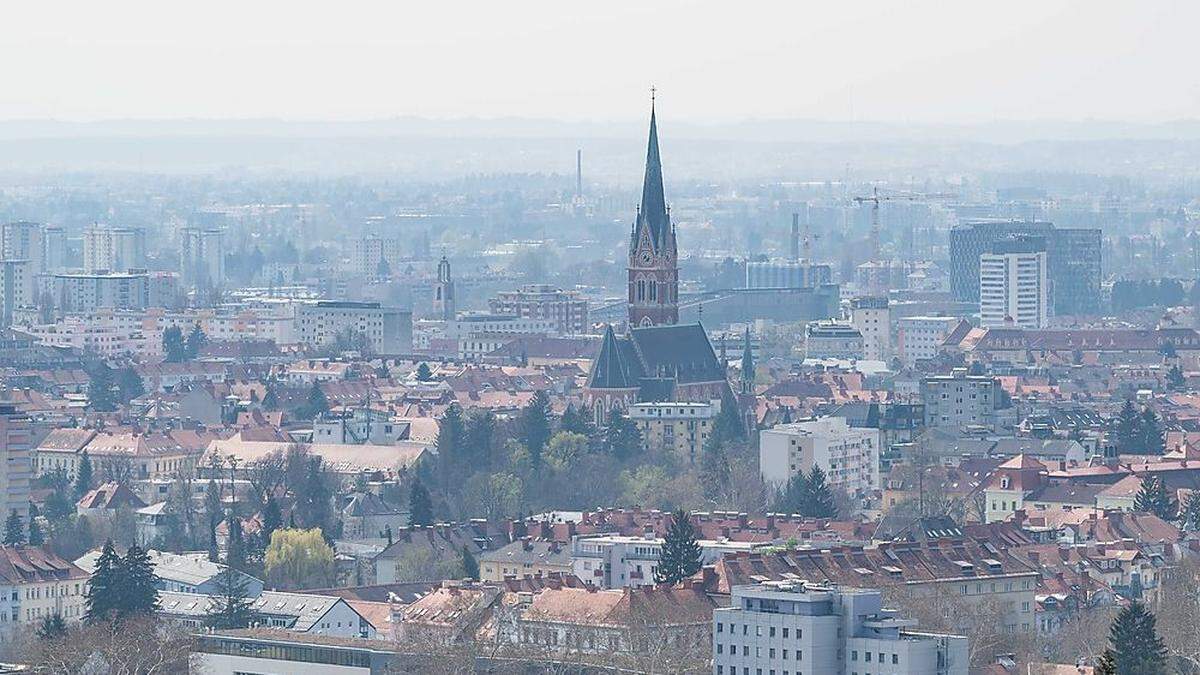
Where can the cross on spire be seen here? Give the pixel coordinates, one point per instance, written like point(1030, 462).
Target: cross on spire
point(653, 90)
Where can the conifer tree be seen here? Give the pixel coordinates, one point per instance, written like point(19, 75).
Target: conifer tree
point(102, 600)
point(477, 445)
point(535, 426)
point(140, 589)
point(101, 396)
point(195, 341)
point(1153, 440)
point(270, 399)
point(424, 374)
point(1189, 515)
point(1154, 497)
point(1136, 648)
point(714, 467)
point(622, 439)
point(272, 519)
point(129, 384)
point(235, 547)
point(52, 627)
point(449, 443)
point(214, 512)
point(576, 421)
point(818, 496)
point(174, 349)
point(680, 557)
point(1176, 380)
point(83, 477)
point(14, 529)
point(1129, 430)
point(420, 506)
point(231, 606)
point(36, 536)
point(470, 564)
point(794, 494)
point(316, 404)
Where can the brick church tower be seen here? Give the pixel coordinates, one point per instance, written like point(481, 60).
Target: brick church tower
point(653, 264)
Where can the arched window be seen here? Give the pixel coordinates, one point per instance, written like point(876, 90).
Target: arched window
point(653, 291)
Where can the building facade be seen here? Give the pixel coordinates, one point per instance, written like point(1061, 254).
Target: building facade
point(920, 338)
point(444, 304)
point(386, 330)
point(870, 317)
point(848, 455)
point(786, 274)
point(202, 257)
point(88, 292)
point(374, 254)
point(960, 400)
point(832, 340)
point(1014, 285)
point(676, 427)
point(540, 301)
point(16, 448)
point(653, 270)
point(113, 249)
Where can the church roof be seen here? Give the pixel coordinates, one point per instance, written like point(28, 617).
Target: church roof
point(681, 352)
point(653, 211)
point(611, 369)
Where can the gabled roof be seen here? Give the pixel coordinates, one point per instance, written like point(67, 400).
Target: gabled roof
point(111, 496)
point(612, 369)
point(1023, 462)
point(682, 352)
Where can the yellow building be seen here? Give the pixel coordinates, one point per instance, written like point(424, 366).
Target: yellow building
point(678, 427)
point(525, 558)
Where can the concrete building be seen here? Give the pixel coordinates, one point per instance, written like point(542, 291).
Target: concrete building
point(264, 650)
point(87, 292)
point(387, 330)
point(794, 627)
point(870, 317)
point(679, 428)
point(960, 400)
point(1014, 285)
point(183, 573)
point(786, 274)
point(567, 309)
point(618, 561)
point(832, 340)
point(113, 249)
point(372, 250)
point(16, 448)
point(920, 337)
point(202, 257)
point(481, 334)
point(848, 455)
point(25, 241)
point(55, 246)
point(524, 559)
point(16, 288)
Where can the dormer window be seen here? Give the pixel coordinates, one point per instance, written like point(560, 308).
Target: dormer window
point(1005, 482)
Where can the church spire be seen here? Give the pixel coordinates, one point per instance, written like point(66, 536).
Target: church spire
point(747, 365)
point(653, 211)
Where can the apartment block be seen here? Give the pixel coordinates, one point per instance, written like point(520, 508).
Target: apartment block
point(848, 455)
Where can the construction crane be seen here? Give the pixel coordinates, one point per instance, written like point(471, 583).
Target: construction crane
point(875, 198)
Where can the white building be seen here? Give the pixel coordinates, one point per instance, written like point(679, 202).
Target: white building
point(832, 340)
point(87, 292)
point(16, 450)
point(295, 612)
point(387, 330)
point(113, 249)
point(871, 317)
point(481, 334)
point(202, 257)
point(794, 627)
point(107, 333)
point(617, 561)
point(24, 241)
point(1013, 285)
point(848, 455)
point(371, 250)
point(960, 400)
point(16, 287)
point(36, 584)
point(920, 337)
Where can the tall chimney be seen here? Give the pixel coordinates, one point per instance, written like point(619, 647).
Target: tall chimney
point(579, 173)
point(795, 237)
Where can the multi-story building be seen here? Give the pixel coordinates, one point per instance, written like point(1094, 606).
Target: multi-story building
point(797, 627)
point(105, 332)
point(55, 240)
point(786, 274)
point(183, 573)
point(1072, 260)
point(832, 340)
point(202, 257)
point(679, 428)
point(16, 446)
point(36, 584)
point(919, 338)
point(387, 330)
point(24, 241)
point(540, 301)
point(960, 400)
point(848, 455)
point(87, 292)
point(870, 317)
point(113, 249)
point(373, 253)
point(1013, 284)
point(617, 561)
point(16, 287)
point(481, 334)
point(524, 559)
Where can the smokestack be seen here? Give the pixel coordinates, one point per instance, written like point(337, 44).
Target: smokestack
point(579, 173)
point(795, 237)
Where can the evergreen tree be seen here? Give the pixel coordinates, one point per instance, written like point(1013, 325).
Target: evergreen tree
point(101, 396)
point(424, 374)
point(680, 557)
point(535, 427)
point(1136, 647)
point(470, 564)
point(795, 494)
point(231, 606)
point(214, 513)
point(622, 439)
point(195, 341)
point(576, 421)
point(818, 496)
point(1129, 430)
point(420, 506)
point(174, 349)
point(14, 529)
point(102, 600)
point(1154, 497)
point(140, 591)
point(270, 399)
point(1190, 514)
point(1175, 379)
point(129, 384)
point(235, 547)
point(272, 518)
point(52, 627)
point(316, 404)
point(1104, 665)
point(314, 503)
point(36, 536)
point(714, 467)
point(1154, 442)
point(83, 477)
point(449, 444)
point(477, 450)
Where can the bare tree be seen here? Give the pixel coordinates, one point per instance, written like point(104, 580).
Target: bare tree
point(142, 646)
point(1178, 617)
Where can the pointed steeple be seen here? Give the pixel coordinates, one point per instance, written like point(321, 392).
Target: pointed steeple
point(653, 211)
point(610, 370)
point(747, 366)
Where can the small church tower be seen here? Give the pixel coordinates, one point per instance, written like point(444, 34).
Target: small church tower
point(443, 292)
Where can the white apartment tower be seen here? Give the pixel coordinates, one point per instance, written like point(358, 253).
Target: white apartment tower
point(16, 467)
point(1013, 285)
point(24, 241)
point(848, 455)
point(113, 249)
point(202, 257)
point(870, 315)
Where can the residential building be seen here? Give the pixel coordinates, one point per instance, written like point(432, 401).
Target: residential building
point(960, 400)
point(617, 561)
point(36, 584)
point(16, 288)
point(374, 254)
point(113, 249)
point(526, 558)
point(827, 339)
point(191, 573)
point(919, 338)
point(366, 515)
point(1013, 285)
point(87, 292)
point(848, 455)
point(16, 470)
point(202, 257)
point(871, 318)
point(566, 309)
point(385, 330)
point(55, 246)
point(677, 427)
point(797, 627)
point(24, 240)
point(296, 612)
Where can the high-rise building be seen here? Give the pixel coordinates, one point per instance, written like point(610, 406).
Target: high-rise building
point(202, 257)
point(786, 274)
point(56, 249)
point(113, 249)
point(443, 293)
point(540, 301)
point(960, 400)
point(24, 241)
point(16, 287)
point(1072, 259)
point(374, 254)
point(797, 627)
point(653, 257)
point(848, 455)
point(920, 337)
point(80, 292)
point(1013, 284)
point(15, 468)
point(871, 316)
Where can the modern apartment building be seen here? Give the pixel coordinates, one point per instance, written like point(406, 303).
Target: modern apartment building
point(24, 241)
point(113, 249)
point(793, 627)
point(960, 400)
point(871, 317)
point(567, 309)
point(372, 250)
point(16, 449)
point(387, 330)
point(679, 428)
point(919, 338)
point(202, 257)
point(16, 287)
point(1014, 285)
point(87, 292)
point(848, 455)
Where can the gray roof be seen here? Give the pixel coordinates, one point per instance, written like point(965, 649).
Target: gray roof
point(305, 608)
point(535, 552)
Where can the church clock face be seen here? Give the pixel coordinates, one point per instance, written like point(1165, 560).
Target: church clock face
point(645, 257)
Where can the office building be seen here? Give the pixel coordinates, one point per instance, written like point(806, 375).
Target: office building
point(540, 301)
point(919, 338)
point(960, 400)
point(795, 627)
point(113, 249)
point(202, 257)
point(1072, 260)
point(870, 316)
point(1014, 285)
point(386, 330)
point(16, 447)
point(826, 339)
point(848, 455)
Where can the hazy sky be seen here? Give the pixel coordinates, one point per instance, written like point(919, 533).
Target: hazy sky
point(918, 61)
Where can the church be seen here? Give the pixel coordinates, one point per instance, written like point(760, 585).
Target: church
point(657, 359)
